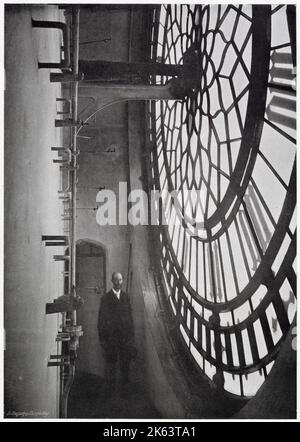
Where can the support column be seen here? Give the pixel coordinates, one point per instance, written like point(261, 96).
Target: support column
point(115, 70)
point(103, 91)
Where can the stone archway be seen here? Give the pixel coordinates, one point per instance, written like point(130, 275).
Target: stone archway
point(91, 285)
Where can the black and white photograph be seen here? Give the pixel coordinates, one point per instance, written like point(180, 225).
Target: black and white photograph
point(149, 246)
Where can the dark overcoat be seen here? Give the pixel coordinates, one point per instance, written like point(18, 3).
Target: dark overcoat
point(115, 322)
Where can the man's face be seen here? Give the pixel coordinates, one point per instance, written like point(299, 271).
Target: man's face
point(117, 281)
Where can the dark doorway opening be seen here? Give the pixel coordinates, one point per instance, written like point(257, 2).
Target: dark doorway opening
point(90, 286)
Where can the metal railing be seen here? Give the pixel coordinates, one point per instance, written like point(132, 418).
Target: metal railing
point(67, 304)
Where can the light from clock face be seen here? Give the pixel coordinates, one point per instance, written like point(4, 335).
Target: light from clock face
point(228, 148)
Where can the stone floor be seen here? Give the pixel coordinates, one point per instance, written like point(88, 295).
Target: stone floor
point(91, 399)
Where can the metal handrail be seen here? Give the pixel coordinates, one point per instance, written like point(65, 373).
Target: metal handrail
point(72, 319)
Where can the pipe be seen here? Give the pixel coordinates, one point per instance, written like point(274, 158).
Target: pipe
point(66, 387)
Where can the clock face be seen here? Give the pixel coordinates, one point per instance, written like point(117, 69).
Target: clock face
point(228, 151)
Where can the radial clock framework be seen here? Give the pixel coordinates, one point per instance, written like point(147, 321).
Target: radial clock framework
point(228, 150)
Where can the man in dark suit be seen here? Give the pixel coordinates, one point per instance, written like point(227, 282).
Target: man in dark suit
point(116, 331)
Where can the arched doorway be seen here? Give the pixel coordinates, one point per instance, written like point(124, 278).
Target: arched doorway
point(91, 284)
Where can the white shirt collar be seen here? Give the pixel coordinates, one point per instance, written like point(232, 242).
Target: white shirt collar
point(117, 293)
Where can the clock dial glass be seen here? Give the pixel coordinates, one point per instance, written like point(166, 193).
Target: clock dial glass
point(227, 152)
